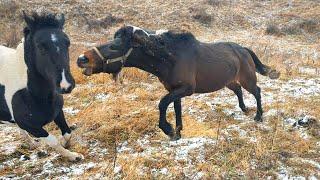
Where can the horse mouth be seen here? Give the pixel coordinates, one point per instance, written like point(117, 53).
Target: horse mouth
point(87, 71)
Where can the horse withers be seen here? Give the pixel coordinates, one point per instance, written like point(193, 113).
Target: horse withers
point(183, 65)
point(34, 77)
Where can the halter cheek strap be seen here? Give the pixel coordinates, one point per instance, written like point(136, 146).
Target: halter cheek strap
point(109, 61)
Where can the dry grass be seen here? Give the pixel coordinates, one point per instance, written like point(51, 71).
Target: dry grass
point(129, 111)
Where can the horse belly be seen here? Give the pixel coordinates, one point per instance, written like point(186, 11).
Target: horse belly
point(214, 76)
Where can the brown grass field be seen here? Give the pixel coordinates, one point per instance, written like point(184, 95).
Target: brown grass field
point(116, 125)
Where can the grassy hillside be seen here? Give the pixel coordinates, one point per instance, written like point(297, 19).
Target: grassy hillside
point(117, 124)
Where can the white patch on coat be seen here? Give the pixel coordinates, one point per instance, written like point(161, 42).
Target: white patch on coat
point(13, 72)
point(137, 28)
point(58, 49)
point(161, 31)
point(64, 84)
point(54, 38)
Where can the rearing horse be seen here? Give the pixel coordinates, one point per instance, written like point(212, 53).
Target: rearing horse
point(183, 64)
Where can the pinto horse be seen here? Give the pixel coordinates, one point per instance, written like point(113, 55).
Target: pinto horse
point(183, 65)
point(33, 77)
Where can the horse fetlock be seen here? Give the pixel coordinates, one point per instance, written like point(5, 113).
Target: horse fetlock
point(258, 117)
point(175, 137)
point(65, 141)
point(167, 128)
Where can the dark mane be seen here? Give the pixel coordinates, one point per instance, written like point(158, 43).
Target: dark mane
point(164, 45)
point(171, 38)
point(44, 20)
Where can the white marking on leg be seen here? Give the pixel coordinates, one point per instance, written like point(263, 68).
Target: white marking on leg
point(54, 38)
point(58, 49)
point(54, 143)
point(137, 28)
point(64, 84)
point(66, 139)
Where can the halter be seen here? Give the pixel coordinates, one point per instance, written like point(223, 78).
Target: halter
point(109, 61)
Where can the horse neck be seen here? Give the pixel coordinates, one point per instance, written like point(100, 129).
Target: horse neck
point(39, 87)
point(149, 64)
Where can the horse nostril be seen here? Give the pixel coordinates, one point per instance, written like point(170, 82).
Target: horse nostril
point(82, 60)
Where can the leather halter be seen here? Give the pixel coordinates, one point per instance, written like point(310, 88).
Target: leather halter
point(112, 60)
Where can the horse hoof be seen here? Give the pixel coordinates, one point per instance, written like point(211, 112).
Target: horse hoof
point(245, 110)
point(175, 137)
point(258, 119)
point(76, 157)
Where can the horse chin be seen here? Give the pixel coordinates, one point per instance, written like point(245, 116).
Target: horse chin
point(87, 71)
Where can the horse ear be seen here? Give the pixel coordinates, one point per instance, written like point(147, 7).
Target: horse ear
point(61, 19)
point(26, 31)
point(29, 20)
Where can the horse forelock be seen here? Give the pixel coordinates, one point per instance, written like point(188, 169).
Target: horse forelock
point(45, 20)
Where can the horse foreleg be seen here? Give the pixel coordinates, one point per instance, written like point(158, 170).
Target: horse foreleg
point(65, 129)
point(172, 96)
point(177, 109)
point(53, 142)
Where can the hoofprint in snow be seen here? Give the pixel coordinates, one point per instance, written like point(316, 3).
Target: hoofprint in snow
point(189, 150)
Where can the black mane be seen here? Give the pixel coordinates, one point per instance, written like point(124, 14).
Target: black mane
point(164, 45)
point(44, 20)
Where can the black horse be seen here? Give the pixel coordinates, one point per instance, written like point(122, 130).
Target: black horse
point(46, 57)
point(183, 65)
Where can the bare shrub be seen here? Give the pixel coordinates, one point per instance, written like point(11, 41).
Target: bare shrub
point(215, 2)
point(8, 8)
point(201, 15)
point(11, 37)
point(273, 29)
point(105, 22)
point(291, 29)
point(309, 25)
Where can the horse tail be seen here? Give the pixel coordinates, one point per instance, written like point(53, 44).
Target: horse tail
point(261, 68)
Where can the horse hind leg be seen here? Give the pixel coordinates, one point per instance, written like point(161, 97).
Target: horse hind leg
point(236, 88)
point(256, 92)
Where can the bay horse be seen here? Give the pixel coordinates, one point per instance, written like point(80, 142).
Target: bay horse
point(34, 76)
point(183, 65)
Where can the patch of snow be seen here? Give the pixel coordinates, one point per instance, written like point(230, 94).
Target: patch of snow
point(71, 110)
point(117, 169)
point(102, 96)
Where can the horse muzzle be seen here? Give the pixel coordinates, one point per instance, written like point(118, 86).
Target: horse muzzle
point(83, 62)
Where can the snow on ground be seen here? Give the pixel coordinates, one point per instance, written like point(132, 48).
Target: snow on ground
point(189, 150)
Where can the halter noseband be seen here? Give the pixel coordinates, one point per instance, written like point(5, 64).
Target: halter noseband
point(109, 61)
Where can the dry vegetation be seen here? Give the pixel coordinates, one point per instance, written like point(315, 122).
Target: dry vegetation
point(285, 34)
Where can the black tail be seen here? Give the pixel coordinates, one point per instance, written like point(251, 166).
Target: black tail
point(261, 68)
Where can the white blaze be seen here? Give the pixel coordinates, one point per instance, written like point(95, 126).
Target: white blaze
point(64, 84)
point(54, 38)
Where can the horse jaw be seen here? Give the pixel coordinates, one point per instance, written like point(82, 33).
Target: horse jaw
point(87, 71)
